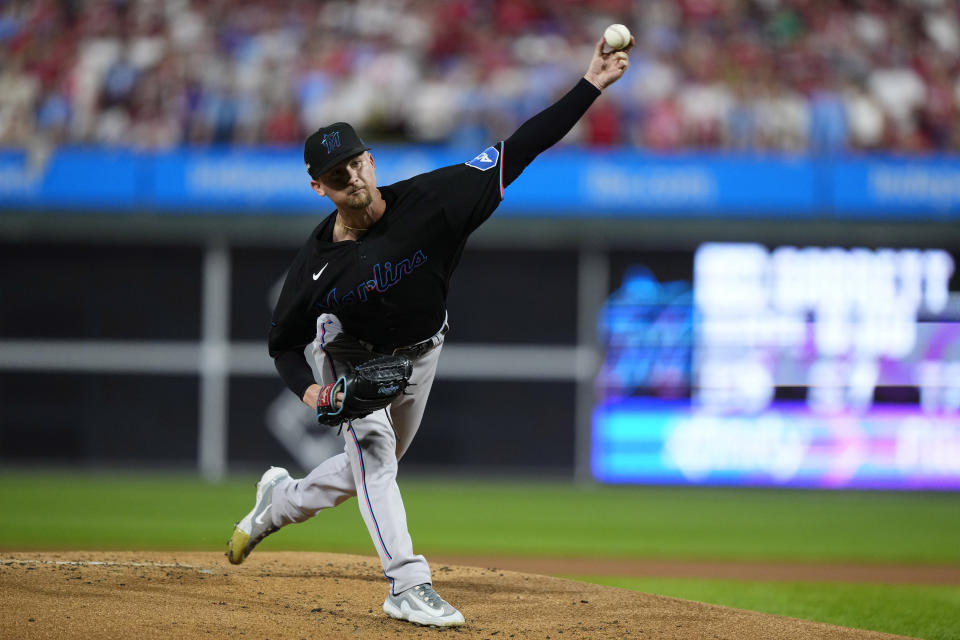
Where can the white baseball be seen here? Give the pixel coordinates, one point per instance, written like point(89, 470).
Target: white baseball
point(617, 36)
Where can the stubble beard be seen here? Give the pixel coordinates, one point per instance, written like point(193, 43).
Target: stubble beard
point(360, 200)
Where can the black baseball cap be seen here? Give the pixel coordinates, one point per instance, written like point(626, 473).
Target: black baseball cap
point(329, 146)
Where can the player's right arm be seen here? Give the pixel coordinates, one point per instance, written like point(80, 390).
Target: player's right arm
point(475, 189)
point(607, 68)
point(548, 127)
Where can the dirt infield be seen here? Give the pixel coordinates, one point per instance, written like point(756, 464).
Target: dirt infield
point(319, 595)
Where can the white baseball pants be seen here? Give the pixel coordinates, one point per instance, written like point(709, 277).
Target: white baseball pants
point(367, 468)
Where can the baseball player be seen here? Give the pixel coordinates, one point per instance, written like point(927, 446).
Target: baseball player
point(373, 276)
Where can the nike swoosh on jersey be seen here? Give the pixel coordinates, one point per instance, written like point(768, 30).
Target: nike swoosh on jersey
point(316, 276)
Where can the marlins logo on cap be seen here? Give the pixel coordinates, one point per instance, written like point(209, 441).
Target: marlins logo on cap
point(331, 141)
point(328, 146)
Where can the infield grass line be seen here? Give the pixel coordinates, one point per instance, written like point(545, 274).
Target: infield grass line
point(105, 563)
point(918, 611)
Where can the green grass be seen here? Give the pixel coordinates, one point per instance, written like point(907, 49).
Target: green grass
point(120, 511)
point(66, 511)
point(139, 511)
point(928, 612)
point(684, 522)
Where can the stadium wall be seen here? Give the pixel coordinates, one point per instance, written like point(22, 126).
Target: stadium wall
point(139, 287)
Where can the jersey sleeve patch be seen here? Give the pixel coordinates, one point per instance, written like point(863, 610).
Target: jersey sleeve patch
point(487, 159)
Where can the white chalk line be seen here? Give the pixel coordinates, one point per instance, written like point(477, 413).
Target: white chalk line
point(103, 563)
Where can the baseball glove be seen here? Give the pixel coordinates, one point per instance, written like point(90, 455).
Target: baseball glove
point(366, 387)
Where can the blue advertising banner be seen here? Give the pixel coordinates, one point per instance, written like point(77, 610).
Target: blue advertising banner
point(897, 187)
point(562, 182)
point(74, 180)
point(623, 184)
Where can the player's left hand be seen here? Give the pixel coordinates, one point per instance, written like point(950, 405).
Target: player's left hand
point(607, 68)
point(363, 389)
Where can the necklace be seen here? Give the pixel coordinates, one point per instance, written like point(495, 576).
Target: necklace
point(354, 228)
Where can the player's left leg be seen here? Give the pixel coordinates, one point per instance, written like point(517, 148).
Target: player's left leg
point(282, 500)
point(329, 484)
point(259, 522)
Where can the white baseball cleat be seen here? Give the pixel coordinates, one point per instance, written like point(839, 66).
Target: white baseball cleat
point(422, 605)
point(257, 524)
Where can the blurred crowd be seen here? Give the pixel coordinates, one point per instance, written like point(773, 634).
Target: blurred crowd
point(814, 75)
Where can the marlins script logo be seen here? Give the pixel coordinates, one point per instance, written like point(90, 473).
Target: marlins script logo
point(385, 276)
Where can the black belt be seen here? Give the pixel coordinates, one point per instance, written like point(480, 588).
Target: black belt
point(413, 351)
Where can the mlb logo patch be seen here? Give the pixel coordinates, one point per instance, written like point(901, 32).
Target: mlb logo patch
point(487, 158)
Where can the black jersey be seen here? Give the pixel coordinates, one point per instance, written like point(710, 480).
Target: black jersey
point(389, 288)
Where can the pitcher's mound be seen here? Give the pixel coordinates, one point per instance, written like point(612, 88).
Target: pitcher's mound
point(320, 595)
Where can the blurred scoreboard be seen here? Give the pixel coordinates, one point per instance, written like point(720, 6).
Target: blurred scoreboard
point(789, 366)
